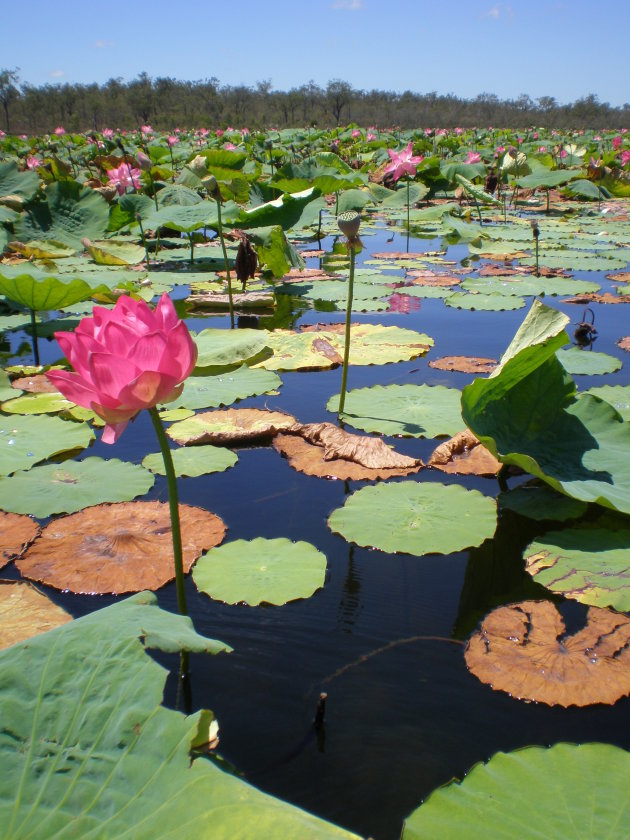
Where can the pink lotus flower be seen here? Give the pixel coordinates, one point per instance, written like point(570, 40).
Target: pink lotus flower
point(3, 133)
point(125, 359)
point(32, 162)
point(60, 131)
point(541, 149)
point(535, 136)
point(229, 146)
point(500, 149)
point(459, 131)
point(402, 162)
point(617, 141)
point(355, 133)
point(123, 177)
point(172, 140)
point(146, 129)
point(108, 133)
point(563, 153)
point(625, 157)
point(219, 132)
point(370, 136)
point(473, 157)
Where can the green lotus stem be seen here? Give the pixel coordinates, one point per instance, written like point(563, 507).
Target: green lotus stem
point(225, 260)
point(407, 208)
point(337, 203)
point(537, 271)
point(144, 241)
point(34, 337)
point(173, 502)
point(346, 348)
point(192, 247)
point(319, 225)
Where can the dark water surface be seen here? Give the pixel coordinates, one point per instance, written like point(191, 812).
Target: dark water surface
point(384, 637)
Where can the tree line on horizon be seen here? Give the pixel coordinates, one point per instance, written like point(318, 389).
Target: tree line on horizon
point(166, 102)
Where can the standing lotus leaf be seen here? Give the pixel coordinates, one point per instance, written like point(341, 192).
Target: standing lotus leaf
point(522, 649)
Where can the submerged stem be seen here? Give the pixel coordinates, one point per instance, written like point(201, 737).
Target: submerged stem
point(173, 502)
point(346, 348)
point(225, 260)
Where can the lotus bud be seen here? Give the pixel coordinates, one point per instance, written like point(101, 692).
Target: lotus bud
point(87, 243)
point(212, 187)
point(144, 161)
point(198, 165)
point(138, 218)
point(535, 228)
point(349, 224)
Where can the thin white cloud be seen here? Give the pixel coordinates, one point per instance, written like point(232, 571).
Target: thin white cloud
point(102, 43)
point(57, 74)
point(499, 12)
point(350, 5)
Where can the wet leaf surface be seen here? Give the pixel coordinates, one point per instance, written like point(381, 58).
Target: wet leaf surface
point(523, 649)
point(118, 548)
point(230, 426)
point(15, 532)
point(26, 612)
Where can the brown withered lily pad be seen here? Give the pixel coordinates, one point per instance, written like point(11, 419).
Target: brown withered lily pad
point(26, 612)
point(464, 364)
point(312, 252)
point(594, 297)
point(433, 279)
point(38, 384)
point(326, 451)
point(16, 532)
point(624, 343)
point(118, 548)
point(508, 256)
point(464, 455)
point(230, 426)
point(522, 649)
point(622, 276)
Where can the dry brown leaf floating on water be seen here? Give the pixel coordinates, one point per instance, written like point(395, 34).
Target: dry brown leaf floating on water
point(624, 343)
point(26, 612)
point(522, 649)
point(16, 531)
point(38, 384)
point(118, 548)
point(326, 451)
point(464, 364)
point(464, 455)
point(230, 426)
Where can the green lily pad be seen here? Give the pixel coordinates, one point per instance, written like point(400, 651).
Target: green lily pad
point(577, 261)
point(527, 413)
point(201, 460)
point(270, 571)
point(40, 291)
point(566, 790)
point(115, 252)
point(526, 286)
point(72, 485)
point(591, 565)
point(486, 303)
point(587, 362)
point(415, 518)
point(226, 347)
point(6, 389)
point(541, 503)
point(43, 249)
point(225, 388)
point(425, 291)
point(616, 395)
point(90, 689)
point(44, 403)
point(423, 411)
point(26, 440)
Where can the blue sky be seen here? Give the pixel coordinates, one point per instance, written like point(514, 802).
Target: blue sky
point(561, 48)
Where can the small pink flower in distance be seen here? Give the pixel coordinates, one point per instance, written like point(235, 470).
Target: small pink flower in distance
point(229, 146)
point(23, 136)
point(229, 128)
point(563, 153)
point(617, 141)
point(597, 137)
point(124, 177)
point(245, 132)
point(459, 131)
point(369, 136)
point(125, 359)
point(172, 140)
point(402, 162)
point(541, 149)
point(500, 149)
point(178, 131)
point(60, 131)
point(355, 133)
point(108, 133)
point(146, 129)
point(219, 132)
point(473, 157)
point(32, 162)
point(625, 157)
point(428, 131)
point(535, 136)
point(624, 130)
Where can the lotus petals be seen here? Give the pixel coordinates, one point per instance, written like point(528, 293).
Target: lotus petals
point(125, 359)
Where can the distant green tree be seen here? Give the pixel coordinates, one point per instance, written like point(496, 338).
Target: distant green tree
point(9, 91)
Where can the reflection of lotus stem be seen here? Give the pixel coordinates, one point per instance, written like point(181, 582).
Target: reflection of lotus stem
point(225, 260)
point(34, 337)
point(173, 503)
point(192, 246)
point(319, 225)
point(346, 348)
point(407, 208)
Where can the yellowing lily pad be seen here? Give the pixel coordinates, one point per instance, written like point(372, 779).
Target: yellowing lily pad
point(415, 518)
point(230, 426)
point(271, 571)
point(26, 612)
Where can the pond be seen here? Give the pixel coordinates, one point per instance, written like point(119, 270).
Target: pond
point(385, 636)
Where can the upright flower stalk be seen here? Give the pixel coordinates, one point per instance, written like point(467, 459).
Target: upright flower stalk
point(127, 359)
point(403, 163)
point(213, 190)
point(349, 225)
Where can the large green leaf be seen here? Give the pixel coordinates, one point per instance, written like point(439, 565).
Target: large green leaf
point(284, 211)
point(271, 571)
point(616, 395)
point(39, 290)
point(577, 361)
point(275, 252)
point(476, 191)
point(565, 791)
point(88, 751)
point(26, 440)
point(225, 388)
point(591, 565)
point(17, 185)
point(68, 213)
point(71, 485)
point(416, 518)
point(527, 413)
point(407, 410)
point(547, 179)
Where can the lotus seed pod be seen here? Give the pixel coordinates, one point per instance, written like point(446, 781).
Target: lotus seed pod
point(349, 223)
point(212, 187)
